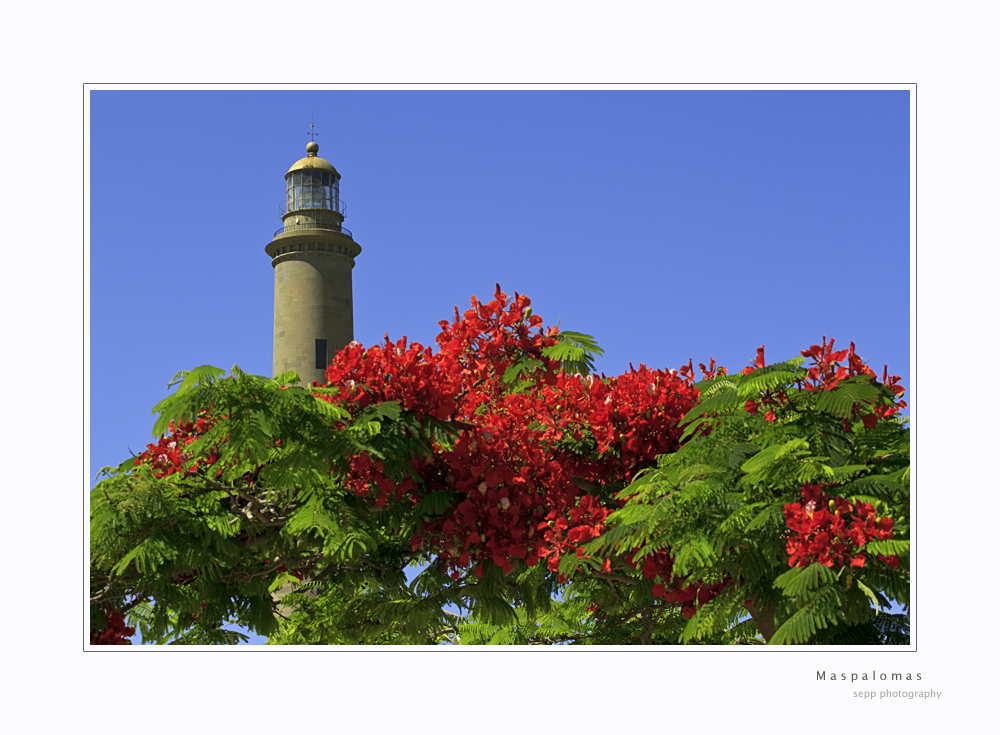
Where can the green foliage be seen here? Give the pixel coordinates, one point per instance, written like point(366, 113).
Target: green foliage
point(268, 536)
point(575, 351)
point(186, 553)
point(718, 505)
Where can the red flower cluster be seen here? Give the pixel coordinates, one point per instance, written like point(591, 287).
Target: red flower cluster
point(115, 633)
point(833, 531)
point(525, 449)
point(825, 374)
point(712, 371)
point(827, 371)
point(660, 565)
point(561, 534)
point(169, 454)
point(768, 397)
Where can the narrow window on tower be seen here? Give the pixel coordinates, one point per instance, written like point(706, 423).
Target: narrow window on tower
point(320, 354)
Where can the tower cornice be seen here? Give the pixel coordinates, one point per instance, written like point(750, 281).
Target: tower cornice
point(313, 241)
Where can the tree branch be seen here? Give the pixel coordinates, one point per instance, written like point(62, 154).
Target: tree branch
point(763, 619)
point(615, 578)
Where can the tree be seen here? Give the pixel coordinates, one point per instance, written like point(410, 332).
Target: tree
point(542, 503)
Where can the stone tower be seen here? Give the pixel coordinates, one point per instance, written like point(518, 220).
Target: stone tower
point(312, 255)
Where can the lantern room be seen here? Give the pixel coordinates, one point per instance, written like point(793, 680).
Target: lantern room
point(312, 183)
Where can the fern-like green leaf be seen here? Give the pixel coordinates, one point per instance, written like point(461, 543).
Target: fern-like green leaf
point(799, 580)
point(575, 351)
point(821, 611)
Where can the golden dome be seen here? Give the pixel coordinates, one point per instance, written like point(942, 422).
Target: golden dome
point(312, 161)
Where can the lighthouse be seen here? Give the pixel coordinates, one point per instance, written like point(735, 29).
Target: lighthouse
point(313, 256)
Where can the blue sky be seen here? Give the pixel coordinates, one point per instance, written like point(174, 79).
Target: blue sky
point(668, 224)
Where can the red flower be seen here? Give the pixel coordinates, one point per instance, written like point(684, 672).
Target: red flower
point(892, 561)
point(114, 633)
point(831, 531)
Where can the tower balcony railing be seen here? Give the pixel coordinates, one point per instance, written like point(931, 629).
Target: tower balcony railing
point(306, 205)
point(314, 226)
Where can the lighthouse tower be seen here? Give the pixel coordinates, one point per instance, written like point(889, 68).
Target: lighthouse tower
point(312, 255)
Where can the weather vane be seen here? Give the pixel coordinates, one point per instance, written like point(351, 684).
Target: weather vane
point(312, 134)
